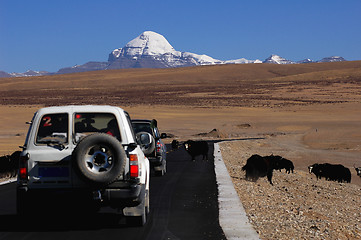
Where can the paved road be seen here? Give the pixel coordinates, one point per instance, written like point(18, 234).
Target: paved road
point(184, 205)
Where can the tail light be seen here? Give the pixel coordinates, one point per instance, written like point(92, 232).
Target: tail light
point(23, 166)
point(158, 147)
point(133, 165)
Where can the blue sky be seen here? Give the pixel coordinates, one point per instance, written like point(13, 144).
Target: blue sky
point(49, 35)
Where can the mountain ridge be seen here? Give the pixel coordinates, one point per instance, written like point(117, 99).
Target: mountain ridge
point(152, 50)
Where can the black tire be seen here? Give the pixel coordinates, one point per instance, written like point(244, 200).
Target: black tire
point(137, 221)
point(163, 171)
point(140, 220)
point(147, 203)
point(99, 159)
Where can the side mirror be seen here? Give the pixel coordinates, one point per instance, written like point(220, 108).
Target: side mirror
point(144, 139)
point(163, 135)
point(146, 142)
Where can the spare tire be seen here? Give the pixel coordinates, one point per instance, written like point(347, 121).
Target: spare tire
point(99, 159)
point(147, 149)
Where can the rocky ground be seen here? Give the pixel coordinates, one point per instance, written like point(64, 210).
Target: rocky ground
point(297, 206)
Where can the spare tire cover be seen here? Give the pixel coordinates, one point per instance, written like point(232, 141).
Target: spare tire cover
point(99, 159)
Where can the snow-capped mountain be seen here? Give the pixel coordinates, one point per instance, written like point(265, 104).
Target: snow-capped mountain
point(305, 61)
point(152, 50)
point(148, 50)
point(332, 59)
point(242, 61)
point(280, 60)
point(146, 44)
point(277, 60)
point(29, 73)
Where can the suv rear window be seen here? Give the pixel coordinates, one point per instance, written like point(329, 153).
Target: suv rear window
point(53, 128)
point(142, 127)
point(89, 123)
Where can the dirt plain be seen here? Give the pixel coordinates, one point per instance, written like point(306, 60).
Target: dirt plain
point(307, 113)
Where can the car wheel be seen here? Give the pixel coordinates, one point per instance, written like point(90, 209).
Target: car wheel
point(147, 203)
point(137, 221)
point(138, 216)
point(163, 171)
point(99, 159)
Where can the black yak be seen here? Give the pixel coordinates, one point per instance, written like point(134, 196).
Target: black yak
point(175, 144)
point(195, 148)
point(282, 163)
point(9, 164)
point(258, 166)
point(331, 172)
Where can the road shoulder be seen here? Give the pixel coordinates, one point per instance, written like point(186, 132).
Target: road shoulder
point(232, 216)
point(7, 181)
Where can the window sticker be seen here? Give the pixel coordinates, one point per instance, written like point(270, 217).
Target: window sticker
point(47, 121)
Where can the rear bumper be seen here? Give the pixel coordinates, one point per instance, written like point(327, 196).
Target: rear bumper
point(117, 195)
point(129, 194)
point(155, 161)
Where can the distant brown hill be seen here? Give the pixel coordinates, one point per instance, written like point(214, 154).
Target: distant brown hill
point(219, 85)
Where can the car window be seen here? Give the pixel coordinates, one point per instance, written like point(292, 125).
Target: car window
point(142, 127)
point(89, 123)
point(29, 130)
point(130, 123)
point(53, 128)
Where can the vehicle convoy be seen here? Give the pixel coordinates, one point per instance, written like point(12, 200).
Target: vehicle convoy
point(156, 152)
point(86, 156)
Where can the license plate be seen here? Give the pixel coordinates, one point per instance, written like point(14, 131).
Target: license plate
point(53, 172)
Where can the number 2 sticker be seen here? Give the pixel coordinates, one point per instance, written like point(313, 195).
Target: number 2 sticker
point(47, 122)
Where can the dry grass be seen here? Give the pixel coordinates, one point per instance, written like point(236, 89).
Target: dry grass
point(222, 85)
point(318, 102)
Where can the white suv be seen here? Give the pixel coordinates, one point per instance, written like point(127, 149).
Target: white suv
point(86, 156)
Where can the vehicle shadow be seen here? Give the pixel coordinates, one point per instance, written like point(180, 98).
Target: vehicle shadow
point(47, 222)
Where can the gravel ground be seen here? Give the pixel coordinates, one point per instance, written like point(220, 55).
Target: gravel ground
point(297, 206)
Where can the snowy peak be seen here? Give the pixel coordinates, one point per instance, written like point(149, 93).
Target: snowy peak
point(242, 61)
point(148, 43)
point(275, 59)
point(280, 60)
point(307, 60)
point(332, 59)
point(29, 73)
point(152, 50)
